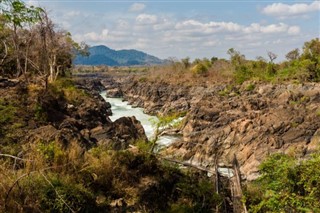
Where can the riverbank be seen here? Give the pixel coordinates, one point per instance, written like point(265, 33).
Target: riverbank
point(61, 152)
point(121, 108)
point(251, 120)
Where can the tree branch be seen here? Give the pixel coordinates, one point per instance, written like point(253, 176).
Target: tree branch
point(6, 52)
point(14, 157)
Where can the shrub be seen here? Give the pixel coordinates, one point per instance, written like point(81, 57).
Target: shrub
point(286, 185)
point(65, 88)
point(199, 69)
point(242, 74)
point(7, 112)
point(250, 87)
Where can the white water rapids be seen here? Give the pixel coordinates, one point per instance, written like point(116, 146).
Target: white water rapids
point(121, 108)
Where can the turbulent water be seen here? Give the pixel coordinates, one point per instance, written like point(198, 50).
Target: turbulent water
point(121, 108)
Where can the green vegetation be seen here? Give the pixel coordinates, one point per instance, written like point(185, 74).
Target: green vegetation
point(31, 44)
point(102, 55)
point(54, 179)
point(10, 122)
point(53, 175)
point(299, 67)
point(199, 69)
point(250, 87)
point(304, 67)
point(65, 87)
point(162, 123)
point(7, 111)
point(286, 185)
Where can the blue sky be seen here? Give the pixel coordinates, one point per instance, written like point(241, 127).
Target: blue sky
point(194, 29)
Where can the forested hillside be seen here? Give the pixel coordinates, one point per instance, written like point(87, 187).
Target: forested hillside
point(102, 55)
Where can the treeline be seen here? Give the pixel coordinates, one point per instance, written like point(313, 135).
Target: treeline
point(300, 65)
point(31, 44)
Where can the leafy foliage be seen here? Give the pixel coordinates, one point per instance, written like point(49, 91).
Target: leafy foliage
point(199, 69)
point(304, 67)
point(286, 185)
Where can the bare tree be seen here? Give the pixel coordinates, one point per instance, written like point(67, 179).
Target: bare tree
point(56, 47)
point(272, 56)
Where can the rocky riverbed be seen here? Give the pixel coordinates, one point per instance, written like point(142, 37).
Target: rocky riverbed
point(249, 121)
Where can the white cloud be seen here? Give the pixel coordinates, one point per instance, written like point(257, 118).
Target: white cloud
point(146, 19)
point(72, 14)
point(284, 10)
point(95, 37)
point(196, 28)
point(294, 30)
point(163, 24)
point(274, 28)
point(137, 7)
point(192, 26)
point(32, 3)
point(122, 24)
point(163, 36)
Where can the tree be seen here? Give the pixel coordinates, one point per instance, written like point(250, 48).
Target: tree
point(293, 55)
point(57, 49)
point(311, 49)
point(272, 56)
point(4, 34)
point(260, 58)
point(206, 62)
point(236, 57)
point(18, 15)
point(186, 62)
point(271, 66)
point(311, 53)
point(31, 43)
point(214, 59)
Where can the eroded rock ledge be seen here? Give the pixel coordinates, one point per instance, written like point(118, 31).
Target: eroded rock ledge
point(250, 121)
point(46, 116)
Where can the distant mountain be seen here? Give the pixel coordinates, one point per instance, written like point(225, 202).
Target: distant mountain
point(102, 55)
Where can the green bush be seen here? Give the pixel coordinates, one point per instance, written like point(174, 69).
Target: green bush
point(242, 74)
point(286, 185)
point(62, 195)
point(199, 69)
point(7, 112)
point(65, 88)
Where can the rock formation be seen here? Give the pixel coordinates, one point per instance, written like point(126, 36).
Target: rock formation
point(47, 115)
point(250, 121)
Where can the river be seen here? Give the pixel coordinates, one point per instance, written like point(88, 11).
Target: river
point(121, 108)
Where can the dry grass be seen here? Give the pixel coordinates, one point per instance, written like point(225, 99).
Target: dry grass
point(220, 72)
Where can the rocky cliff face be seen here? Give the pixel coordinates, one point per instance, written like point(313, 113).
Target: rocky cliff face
point(47, 115)
point(249, 121)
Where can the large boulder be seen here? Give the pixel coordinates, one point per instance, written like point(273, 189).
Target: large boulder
point(120, 133)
